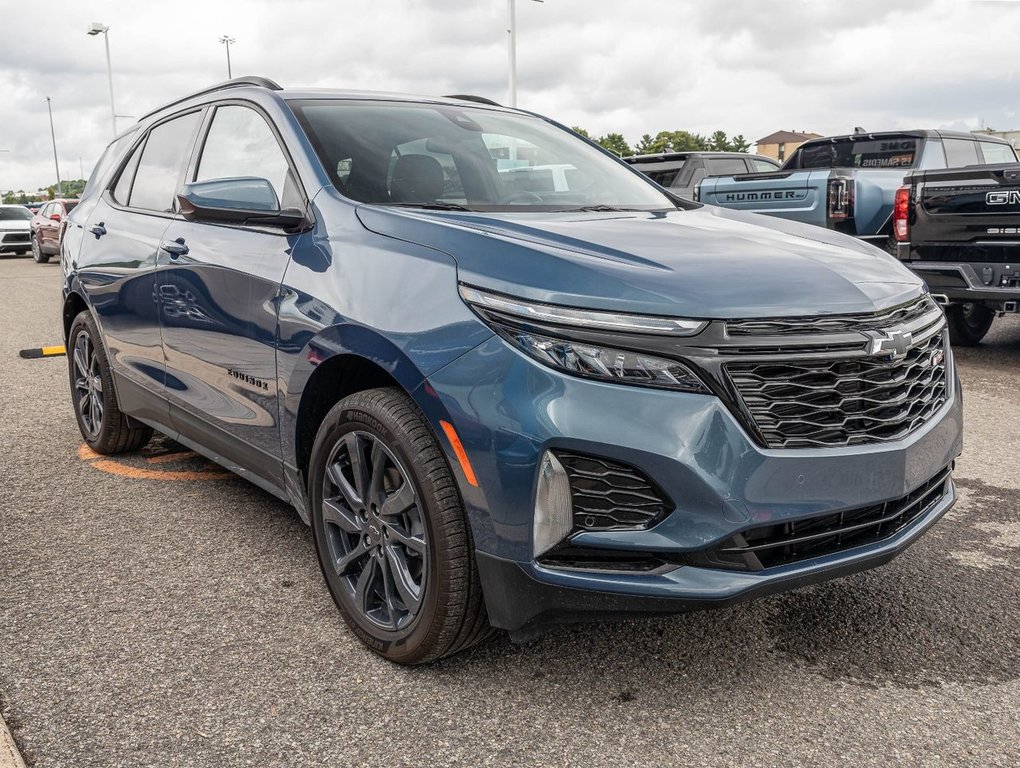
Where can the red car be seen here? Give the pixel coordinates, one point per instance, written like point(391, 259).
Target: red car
point(47, 227)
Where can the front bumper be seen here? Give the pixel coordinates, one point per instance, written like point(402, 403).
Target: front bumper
point(509, 410)
point(526, 598)
point(15, 242)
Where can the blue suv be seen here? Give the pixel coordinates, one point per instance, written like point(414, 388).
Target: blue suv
point(507, 380)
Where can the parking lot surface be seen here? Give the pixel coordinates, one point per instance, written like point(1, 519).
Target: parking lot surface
point(158, 611)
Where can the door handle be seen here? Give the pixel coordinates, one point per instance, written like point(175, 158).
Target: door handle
point(176, 249)
point(99, 230)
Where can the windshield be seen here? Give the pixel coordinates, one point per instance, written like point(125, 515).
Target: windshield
point(887, 152)
point(436, 156)
point(14, 214)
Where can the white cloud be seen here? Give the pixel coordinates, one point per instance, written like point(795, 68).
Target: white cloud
point(742, 66)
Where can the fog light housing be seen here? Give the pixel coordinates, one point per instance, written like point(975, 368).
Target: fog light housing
point(554, 513)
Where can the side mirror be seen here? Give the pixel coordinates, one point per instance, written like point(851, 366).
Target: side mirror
point(241, 200)
point(55, 216)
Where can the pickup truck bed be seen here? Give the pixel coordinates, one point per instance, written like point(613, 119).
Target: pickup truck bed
point(847, 183)
point(962, 235)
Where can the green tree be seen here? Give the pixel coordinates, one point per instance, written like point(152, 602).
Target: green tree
point(719, 142)
point(615, 142)
point(68, 188)
point(739, 144)
point(672, 141)
point(642, 147)
point(580, 130)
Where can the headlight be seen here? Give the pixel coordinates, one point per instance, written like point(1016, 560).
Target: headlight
point(586, 318)
point(584, 358)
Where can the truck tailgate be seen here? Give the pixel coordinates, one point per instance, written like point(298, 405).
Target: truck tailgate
point(976, 209)
point(796, 195)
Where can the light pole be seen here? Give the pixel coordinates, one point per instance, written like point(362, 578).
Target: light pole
point(97, 28)
point(1, 191)
point(53, 136)
point(227, 40)
point(511, 29)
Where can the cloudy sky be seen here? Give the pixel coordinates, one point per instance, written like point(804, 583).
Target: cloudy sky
point(743, 66)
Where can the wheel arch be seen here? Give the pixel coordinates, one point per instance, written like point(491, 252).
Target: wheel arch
point(336, 363)
point(74, 303)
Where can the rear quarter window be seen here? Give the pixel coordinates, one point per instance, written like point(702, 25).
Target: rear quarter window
point(960, 152)
point(993, 152)
point(724, 166)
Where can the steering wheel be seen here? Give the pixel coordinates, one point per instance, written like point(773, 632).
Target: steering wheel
point(522, 197)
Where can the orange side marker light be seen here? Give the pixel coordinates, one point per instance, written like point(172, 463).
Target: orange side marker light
point(458, 449)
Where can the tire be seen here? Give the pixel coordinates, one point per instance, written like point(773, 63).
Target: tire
point(405, 578)
point(37, 252)
point(102, 424)
point(968, 323)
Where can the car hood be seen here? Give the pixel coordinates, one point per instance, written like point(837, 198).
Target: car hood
point(707, 262)
point(15, 226)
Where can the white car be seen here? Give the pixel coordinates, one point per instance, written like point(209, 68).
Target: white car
point(15, 229)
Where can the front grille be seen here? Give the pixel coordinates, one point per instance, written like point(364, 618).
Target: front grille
point(607, 495)
point(799, 326)
point(17, 237)
point(843, 402)
point(769, 546)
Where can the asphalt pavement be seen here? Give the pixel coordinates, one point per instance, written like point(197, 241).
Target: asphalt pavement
point(155, 611)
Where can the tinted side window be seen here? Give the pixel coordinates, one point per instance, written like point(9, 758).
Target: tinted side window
point(663, 178)
point(762, 166)
point(994, 152)
point(160, 166)
point(960, 152)
point(122, 190)
point(724, 166)
point(241, 143)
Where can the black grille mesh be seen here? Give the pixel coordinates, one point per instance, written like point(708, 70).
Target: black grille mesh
point(782, 543)
point(846, 402)
point(608, 495)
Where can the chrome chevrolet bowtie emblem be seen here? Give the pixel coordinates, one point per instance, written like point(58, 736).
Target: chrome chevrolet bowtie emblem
point(892, 345)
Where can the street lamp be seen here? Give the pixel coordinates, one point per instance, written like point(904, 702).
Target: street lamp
point(227, 40)
point(511, 9)
point(53, 136)
point(96, 28)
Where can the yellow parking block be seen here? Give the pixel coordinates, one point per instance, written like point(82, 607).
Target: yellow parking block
point(37, 352)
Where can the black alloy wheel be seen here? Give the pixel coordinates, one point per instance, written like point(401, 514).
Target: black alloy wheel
point(102, 424)
point(391, 532)
point(374, 531)
point(88, 384)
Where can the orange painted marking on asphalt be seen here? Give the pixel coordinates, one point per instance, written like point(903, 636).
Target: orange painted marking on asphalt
point(115, 467)
point(86, 454)
point(140, 473)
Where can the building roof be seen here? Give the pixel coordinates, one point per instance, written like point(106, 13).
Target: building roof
point(788, 137)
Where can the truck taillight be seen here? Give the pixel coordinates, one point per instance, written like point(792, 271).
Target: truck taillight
point(901, 214)
point(697, 192)
point(841, 199)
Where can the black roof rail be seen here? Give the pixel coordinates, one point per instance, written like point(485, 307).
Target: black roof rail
point(237, 82)
point(477, 99)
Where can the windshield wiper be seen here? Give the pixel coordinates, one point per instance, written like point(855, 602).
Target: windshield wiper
point(429, 206)
point(597, 208)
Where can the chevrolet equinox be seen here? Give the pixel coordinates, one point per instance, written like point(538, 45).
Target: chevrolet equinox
point(506, 379)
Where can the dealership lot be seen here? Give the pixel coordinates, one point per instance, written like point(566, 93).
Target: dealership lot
point(156, 611)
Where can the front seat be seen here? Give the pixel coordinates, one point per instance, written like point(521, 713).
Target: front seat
point(417, 179)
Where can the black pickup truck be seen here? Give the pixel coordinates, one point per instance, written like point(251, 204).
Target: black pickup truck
point(959, 229)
